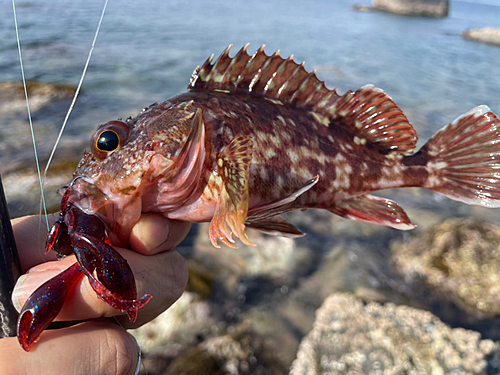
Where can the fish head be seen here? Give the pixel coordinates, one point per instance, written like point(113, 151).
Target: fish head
point(130, 164)
point(111, 177)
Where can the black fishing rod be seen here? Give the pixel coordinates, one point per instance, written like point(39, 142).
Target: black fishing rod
point(10, 270)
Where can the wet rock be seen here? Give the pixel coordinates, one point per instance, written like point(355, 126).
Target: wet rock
point(199, 282)
point(273, 332)
point(362, 8)
point(453, 270)
point(182, 326)
point(17, 162)
point(422, 8)
point(22, 187)
point(487, 35)
point(272, 260)
point(194, 337)
point(240, 353)
point(195, 361)
point(12, 99)
point(352, 338)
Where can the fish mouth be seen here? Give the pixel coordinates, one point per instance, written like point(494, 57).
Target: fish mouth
point(85, 195)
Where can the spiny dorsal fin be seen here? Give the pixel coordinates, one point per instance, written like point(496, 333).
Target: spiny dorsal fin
point(271, 77)
point(369, 113)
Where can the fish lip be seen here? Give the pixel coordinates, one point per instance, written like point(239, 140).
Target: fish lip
point(85, 195)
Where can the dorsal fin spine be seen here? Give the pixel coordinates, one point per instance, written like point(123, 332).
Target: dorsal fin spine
point(221, 65)
point(326, 99)
point(252, 67)
point(303, 86)
point(205, 67)
point(317, 93)
point(273, 88)
point(283, 67)
point(265, 68)
point(294, 82)
point(229, 76)
point(268, 69)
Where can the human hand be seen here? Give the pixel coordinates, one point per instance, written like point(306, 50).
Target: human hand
point(99, 346)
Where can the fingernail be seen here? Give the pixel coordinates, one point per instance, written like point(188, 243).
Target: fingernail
point(27, 284)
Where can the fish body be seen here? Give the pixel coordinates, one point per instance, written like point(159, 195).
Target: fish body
point(257, 136)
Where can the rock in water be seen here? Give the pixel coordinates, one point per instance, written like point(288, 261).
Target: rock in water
point(362, 8)
point(454, 269)
point(352, 338)
point(12, 99)
point(422, 8)
point(489, 35)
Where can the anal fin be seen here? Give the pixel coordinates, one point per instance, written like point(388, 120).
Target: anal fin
point(374, 210)
point(233, 171)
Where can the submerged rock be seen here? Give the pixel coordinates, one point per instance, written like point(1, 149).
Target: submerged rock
point(22, 187)
point(180, 327)
point(239, 353)
point(12, 97)
point(423, 8)
point(195, 336)
point(487, 35)
point(362, 8)
point(455, 265)
point(352, 338)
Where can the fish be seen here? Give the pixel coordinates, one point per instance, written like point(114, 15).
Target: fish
point(256, 136)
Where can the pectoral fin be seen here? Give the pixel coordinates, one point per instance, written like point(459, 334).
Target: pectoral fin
point(233, 171)
point(264, 218)
point(374, 210)
point(270, 210)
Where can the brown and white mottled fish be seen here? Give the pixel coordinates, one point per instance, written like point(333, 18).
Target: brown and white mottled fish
point(257, 136)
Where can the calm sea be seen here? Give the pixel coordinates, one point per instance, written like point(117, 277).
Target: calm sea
point(146, 52)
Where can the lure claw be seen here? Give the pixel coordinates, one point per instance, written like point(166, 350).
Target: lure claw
point(43, 305)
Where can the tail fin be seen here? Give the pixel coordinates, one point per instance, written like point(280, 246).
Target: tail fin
point(463, 159)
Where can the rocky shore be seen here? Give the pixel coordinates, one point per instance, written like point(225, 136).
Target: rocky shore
point(48, 103)
point(351, 337)
point(489, 35)
point(421, 8)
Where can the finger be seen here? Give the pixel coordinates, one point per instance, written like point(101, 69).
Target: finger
point(30, 233)
point(155, 233)
point(163, 275)
point(89, 348)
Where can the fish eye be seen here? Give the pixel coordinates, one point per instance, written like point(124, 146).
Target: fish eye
point(108, 141)
point(108, 138)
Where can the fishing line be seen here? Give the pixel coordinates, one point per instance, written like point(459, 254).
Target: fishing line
point(29, 114)
point(140, 362)
point(76, 93)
